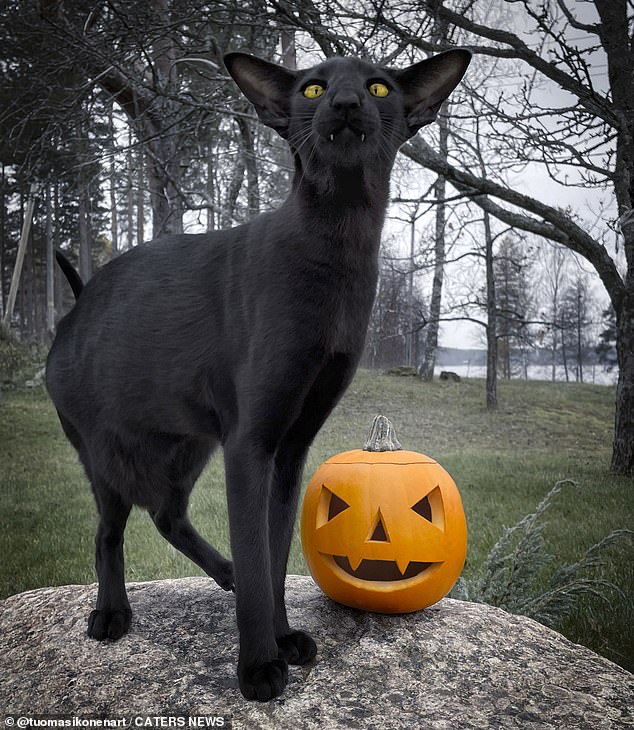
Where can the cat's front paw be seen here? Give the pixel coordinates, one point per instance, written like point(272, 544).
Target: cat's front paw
point(296, 647)
point(103, 624)
point(264, 681)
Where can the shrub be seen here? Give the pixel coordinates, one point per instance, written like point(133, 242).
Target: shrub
point(515, 574)
point(18, 361)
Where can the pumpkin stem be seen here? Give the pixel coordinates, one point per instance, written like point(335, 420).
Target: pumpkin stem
point(382, 436)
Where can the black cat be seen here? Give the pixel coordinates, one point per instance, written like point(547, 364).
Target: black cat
point(246, 337)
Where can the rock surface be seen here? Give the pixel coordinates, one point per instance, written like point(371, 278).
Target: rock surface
point(454, 665)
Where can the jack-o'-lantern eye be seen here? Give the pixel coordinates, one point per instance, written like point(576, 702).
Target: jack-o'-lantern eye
point(376, 88)
point(330, 506)
point(423, 508)
point(336, 506)
point(431, 508)
point(314, 91)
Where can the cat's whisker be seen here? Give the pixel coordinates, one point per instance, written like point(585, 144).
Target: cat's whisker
point(388, 128)
point(304, 129)
point(308, 161)
point(300, 142)
point(301, 133)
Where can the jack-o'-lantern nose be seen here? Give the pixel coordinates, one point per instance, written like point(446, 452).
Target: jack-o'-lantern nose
point(378, 532)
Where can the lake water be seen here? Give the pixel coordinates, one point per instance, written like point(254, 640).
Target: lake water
point(591, 374)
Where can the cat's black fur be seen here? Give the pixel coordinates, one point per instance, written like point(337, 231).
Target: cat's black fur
point(244, 337)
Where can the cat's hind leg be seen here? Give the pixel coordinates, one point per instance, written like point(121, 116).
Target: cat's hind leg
point(111, 617)
point(172, 522)
point(171, 517)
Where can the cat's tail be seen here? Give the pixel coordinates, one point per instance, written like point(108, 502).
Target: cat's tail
point(73, 278)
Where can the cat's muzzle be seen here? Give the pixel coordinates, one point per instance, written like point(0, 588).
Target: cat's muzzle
point(347, 132)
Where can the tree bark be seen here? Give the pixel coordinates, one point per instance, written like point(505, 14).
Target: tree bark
point(2, 236)
point(85, 243)
point(289, 51)
point(564, 346)
point(579, 334)
point(623, 446)
point(17, 269)
point(140, 198)
point(211, 194)
point(431, 340)
point(28, 322)
point(114, 215)
point(58, 286)
point(491, 328)
point(163, 174)
point(409, 341)
point(50, 265)
point(253, 184)
point(620, 54)
point(237, 176)
point(129, 193)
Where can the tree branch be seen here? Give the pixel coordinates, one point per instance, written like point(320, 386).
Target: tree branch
point(594, 28)
point(594, 102)
point(553, 225)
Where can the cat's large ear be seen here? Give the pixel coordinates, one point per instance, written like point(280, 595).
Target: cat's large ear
point(266, 85)
point(428, 83)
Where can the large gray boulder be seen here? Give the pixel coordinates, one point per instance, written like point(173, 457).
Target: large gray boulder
point(454, 665)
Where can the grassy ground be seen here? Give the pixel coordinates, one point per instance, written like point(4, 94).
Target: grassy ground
point(503, 463)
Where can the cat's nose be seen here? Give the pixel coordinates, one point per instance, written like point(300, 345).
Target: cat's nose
point(345, 100)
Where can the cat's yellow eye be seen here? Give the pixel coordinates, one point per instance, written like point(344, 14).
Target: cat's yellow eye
point(377, 89)
point(313, 91)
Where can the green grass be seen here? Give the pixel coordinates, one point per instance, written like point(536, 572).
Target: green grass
point(503, 462)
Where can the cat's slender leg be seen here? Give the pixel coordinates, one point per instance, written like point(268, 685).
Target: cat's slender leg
point(249, 466)
point(273, 399)
point(298, 647)
point(187, 461)
point(111, 617)
point(172, 522)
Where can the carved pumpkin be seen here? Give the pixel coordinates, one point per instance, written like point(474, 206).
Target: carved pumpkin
point(383, 529)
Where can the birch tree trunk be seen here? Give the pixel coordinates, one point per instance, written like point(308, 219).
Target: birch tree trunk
point(85, 243)
point(140, 197)
point(50, 265)
point(129, 194)
point(114, 214)
point(491, 328)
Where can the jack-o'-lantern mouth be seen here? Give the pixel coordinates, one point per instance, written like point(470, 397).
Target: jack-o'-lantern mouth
point(377, 570)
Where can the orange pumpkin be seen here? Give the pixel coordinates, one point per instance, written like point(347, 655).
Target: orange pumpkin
point(383, 529)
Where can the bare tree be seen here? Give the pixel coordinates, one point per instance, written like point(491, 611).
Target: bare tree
point(554, 278)
point(397, 320)
point(514, 306)
point(161, 63)
point(576, 321)
point(592, 135)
